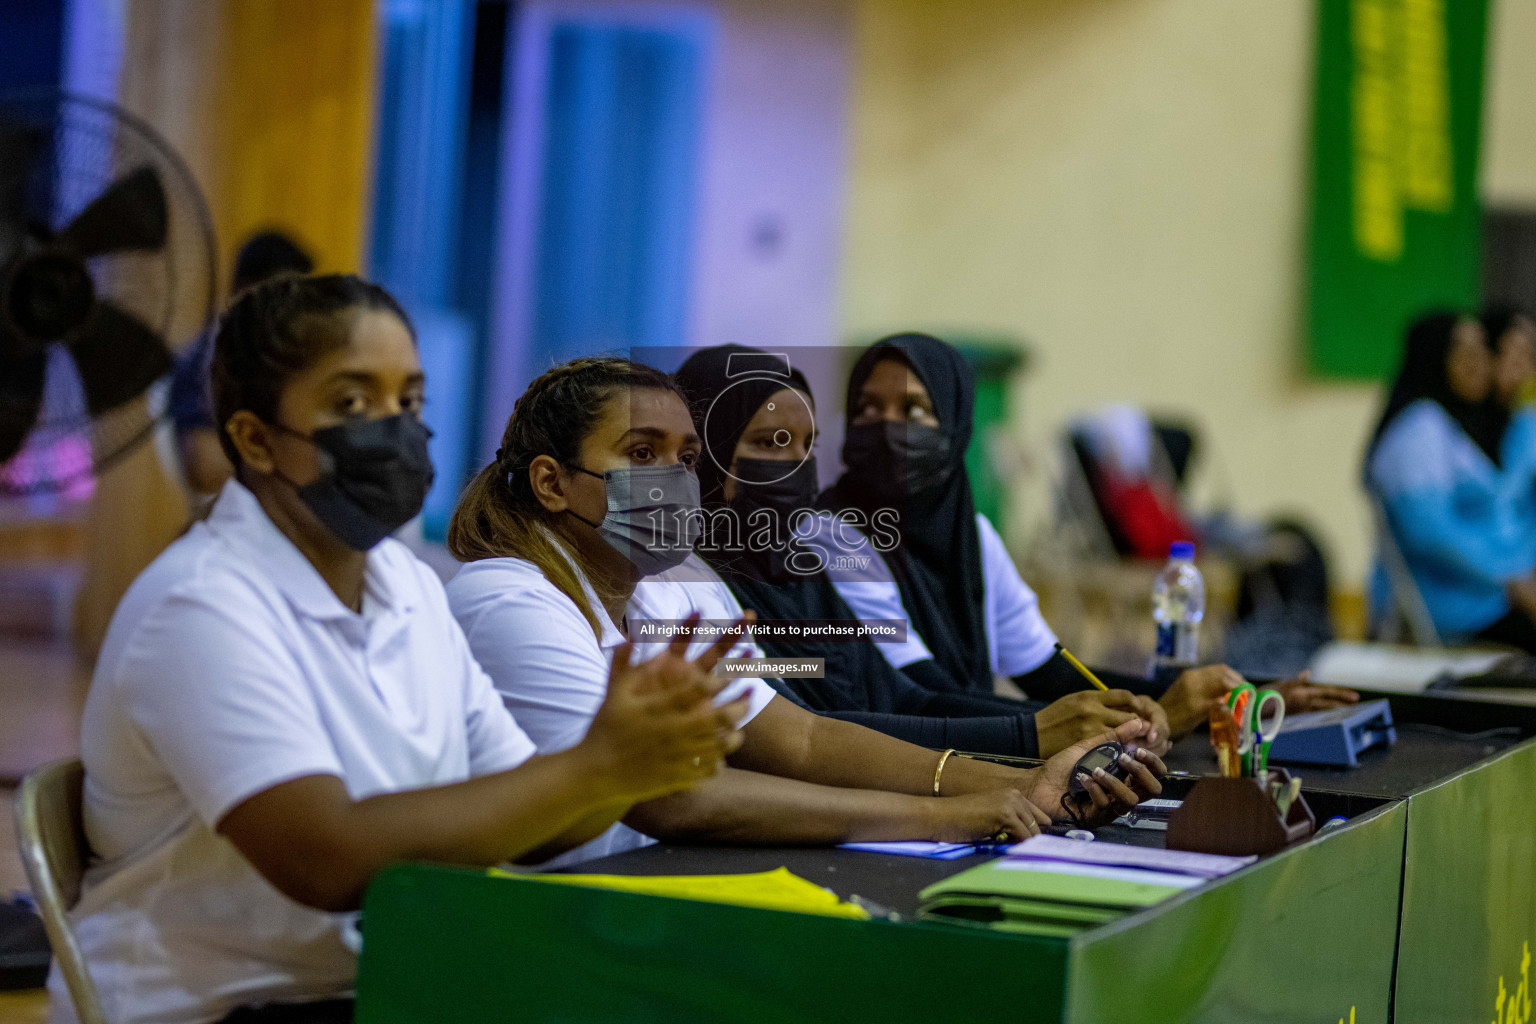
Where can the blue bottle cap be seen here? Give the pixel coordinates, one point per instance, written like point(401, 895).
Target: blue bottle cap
point(1181, 549)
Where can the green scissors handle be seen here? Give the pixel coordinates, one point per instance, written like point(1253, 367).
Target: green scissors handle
point(1259, 714)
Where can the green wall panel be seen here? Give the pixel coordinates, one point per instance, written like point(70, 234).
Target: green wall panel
point(1307, 936)
point(1469, 896)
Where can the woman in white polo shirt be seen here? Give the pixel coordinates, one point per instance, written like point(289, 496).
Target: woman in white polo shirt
point(284, 703)
point(593, 488)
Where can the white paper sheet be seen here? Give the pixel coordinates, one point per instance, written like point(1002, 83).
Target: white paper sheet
point(1055, 867)
point(1395, 669)
point(1056, 849)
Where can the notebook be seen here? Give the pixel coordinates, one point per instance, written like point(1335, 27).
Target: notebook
point(1011, 896)
point(1058, 887)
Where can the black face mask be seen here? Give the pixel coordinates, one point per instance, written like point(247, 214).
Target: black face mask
point(783, 488)
point(897, 461)
point(374, 477)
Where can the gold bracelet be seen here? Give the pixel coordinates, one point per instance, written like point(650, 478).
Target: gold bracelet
point(939, 772)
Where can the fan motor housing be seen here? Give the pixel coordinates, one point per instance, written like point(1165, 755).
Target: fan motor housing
point(48, 296)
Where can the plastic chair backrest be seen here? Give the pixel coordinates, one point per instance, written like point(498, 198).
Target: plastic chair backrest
point(1079, 503)
point(1172, 450)
point(1178, 445)
point(1407, 601)
point(51, 834)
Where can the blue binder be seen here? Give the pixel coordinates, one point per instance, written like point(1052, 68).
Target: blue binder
point(1335, 737)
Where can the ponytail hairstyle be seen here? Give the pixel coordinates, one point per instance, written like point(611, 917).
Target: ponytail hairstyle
point(498, 515)
point(280, 328)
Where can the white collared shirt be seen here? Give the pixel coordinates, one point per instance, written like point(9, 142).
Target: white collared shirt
point(863, 580)
point(1018, 638)
point(552, 670)
point(230, 667)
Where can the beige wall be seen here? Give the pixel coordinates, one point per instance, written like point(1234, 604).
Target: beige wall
point(1509, 121)
point(1122, 183)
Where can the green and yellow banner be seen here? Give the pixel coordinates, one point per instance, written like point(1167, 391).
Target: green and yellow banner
point(1396, 224)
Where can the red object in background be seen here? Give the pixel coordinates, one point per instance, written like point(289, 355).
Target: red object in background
point(1148, 520)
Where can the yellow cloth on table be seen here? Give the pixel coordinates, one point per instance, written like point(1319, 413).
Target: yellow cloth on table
point(779, 889)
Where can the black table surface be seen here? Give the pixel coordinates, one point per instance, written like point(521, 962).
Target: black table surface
point(1423, 754)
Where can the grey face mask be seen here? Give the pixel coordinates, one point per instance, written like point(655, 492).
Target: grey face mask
point(654, 516)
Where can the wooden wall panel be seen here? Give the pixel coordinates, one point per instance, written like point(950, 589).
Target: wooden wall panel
point(293, 125)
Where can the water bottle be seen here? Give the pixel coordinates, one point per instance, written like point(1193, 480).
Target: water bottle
point(1178, 605)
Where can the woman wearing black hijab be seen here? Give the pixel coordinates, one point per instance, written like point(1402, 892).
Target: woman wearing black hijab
point(904, 449)
point(1467, 532)
point(910, 412)
point(756, 476)
point(1446, 360)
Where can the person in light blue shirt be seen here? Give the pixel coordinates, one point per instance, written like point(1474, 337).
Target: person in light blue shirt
point(1511, 336)
point(1463, 514)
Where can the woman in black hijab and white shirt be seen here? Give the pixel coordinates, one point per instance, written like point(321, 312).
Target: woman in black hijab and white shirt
point(910, 413)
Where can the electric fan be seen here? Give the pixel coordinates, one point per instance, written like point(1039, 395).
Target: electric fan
point(107, 270)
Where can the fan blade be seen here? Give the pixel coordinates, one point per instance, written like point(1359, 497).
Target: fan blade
point(130, 214)
point(19, 146)
point(22, 371)
point(118, 356)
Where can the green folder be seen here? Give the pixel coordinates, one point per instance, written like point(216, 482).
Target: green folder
point(1034, 902)
point(1030, 917)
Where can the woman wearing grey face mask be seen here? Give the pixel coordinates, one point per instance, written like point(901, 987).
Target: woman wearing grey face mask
point(550, 591)
point(652, 516)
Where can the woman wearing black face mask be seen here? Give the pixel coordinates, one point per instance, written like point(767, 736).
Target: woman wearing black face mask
point(911, 402)
point(758, 477)
point(284, 703)
point(911, 405)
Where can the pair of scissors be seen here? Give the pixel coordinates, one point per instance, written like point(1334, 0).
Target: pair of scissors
point(1258, 715)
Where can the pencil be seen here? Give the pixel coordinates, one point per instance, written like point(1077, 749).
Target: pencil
point(1081, 668)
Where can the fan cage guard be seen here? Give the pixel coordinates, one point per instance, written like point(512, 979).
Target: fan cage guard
point(90, 143)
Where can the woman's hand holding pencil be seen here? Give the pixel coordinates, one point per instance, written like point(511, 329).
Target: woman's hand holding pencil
point(1087, 713)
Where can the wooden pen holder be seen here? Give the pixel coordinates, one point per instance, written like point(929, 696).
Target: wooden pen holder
point(1238, 817)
